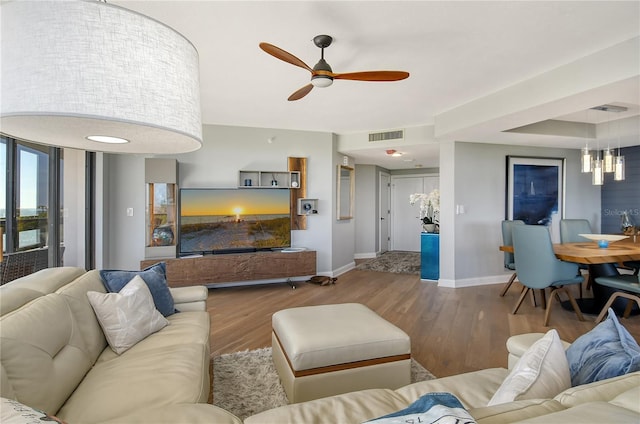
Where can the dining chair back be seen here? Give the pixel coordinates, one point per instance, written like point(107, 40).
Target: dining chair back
point(571, 228)
point(507, 240)
point(626, 286)
point(538, 267)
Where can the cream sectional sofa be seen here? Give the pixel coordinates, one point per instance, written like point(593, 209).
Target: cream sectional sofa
point(613, 400)
point(55, 357)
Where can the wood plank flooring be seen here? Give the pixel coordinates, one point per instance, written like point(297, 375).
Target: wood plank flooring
point(452, 330)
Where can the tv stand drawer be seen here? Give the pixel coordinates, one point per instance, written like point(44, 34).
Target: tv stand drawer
point(212, 269)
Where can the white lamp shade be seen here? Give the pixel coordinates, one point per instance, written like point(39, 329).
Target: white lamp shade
point(73, 69)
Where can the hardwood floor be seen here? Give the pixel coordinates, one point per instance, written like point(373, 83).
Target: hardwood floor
point(452, 330)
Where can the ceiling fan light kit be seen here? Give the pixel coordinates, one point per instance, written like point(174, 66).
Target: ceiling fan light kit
point(321, 74)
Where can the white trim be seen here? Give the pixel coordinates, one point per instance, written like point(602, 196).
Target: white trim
point(343, 269)
point(367, 255)
point(472, 282)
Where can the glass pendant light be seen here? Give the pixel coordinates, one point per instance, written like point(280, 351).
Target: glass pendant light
point(585, 160)
point(618, 167)
point(618, 162)
point(597, 177)
point(607, 160)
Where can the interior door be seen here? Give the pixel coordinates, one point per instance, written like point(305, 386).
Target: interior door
point(406, 225)
point(405, 218)
point(385, 211)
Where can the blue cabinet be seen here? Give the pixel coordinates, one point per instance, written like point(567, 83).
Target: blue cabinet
point(430, 256)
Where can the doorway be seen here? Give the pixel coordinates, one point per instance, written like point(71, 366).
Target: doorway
point(384, 212)
point(406, 225)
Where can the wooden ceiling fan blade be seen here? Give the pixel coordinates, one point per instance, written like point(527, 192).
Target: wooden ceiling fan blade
point(277, 52)
point(373, 76)
point(301, 93)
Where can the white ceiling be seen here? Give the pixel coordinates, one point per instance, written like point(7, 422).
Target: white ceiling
point(477, 68)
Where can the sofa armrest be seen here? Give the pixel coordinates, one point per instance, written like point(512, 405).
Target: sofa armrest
point(192, 298)
point(518, 344)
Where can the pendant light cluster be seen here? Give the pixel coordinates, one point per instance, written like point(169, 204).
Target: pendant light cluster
point(609, 162)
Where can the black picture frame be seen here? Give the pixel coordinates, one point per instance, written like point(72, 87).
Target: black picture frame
point(535, 191)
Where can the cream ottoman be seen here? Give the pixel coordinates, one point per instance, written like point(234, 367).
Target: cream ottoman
point(327, 350)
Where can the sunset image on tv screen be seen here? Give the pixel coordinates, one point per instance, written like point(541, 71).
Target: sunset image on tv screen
point(218, 220)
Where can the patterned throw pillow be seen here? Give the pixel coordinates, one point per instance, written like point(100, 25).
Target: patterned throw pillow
point(432, 408)
point(14, 412)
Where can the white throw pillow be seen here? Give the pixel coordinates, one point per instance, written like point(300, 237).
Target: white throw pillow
point(128, 316)
point(541, 373)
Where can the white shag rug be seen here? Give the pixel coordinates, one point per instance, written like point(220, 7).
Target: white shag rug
point(246, 383)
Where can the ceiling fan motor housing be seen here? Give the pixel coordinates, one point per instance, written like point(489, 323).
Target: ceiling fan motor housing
point(322, 74)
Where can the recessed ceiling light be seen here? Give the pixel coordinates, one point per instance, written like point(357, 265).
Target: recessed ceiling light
point(107, 139)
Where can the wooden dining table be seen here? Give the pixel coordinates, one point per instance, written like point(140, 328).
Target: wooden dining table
point(602, 262)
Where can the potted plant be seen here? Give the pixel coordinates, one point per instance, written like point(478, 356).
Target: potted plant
point(429, 209)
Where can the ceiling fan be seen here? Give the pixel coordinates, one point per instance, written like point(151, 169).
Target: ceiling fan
point(321, 74)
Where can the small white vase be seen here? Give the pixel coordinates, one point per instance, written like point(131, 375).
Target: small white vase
point(429, 228)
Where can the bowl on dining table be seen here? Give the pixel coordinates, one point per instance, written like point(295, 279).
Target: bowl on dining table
point(603, 240)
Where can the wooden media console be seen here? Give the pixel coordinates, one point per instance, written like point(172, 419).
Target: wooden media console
point(236, 267)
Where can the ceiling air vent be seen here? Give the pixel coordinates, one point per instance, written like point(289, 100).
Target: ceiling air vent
point(388, 135)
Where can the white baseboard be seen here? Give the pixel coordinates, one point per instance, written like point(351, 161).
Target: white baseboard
point(343, 269)
point(368, 255)
point(472, 282)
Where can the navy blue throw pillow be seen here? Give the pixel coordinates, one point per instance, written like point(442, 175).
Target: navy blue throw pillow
point(154, 277)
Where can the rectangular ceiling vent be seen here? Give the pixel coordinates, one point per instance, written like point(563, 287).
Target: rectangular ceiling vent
point(387, 135)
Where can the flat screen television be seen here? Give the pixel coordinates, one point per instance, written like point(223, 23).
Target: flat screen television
point(230, 220)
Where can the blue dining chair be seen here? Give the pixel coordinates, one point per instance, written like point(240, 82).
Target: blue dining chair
point(635, 265)
point(538, 267)
point(507, 240)
point(570, 230)
point(626, 286)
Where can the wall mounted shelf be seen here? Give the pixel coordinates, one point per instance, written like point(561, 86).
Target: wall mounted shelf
point(307, 206)
point(269, 179)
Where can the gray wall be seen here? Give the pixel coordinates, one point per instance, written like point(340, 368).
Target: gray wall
point(225, 151)
point(367, 213)
point(620, 196)
point(471, 256)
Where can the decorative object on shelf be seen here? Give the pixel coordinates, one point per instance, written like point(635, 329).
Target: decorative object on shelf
point(162, 236)
point(307, 206)
point(118, 51)
point(247, 182)
point(626, 225)
point(429, 209)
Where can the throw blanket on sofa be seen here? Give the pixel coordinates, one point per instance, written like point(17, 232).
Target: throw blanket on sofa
point(432, 408)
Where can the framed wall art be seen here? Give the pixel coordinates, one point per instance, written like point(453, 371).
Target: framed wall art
point(535, 191)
